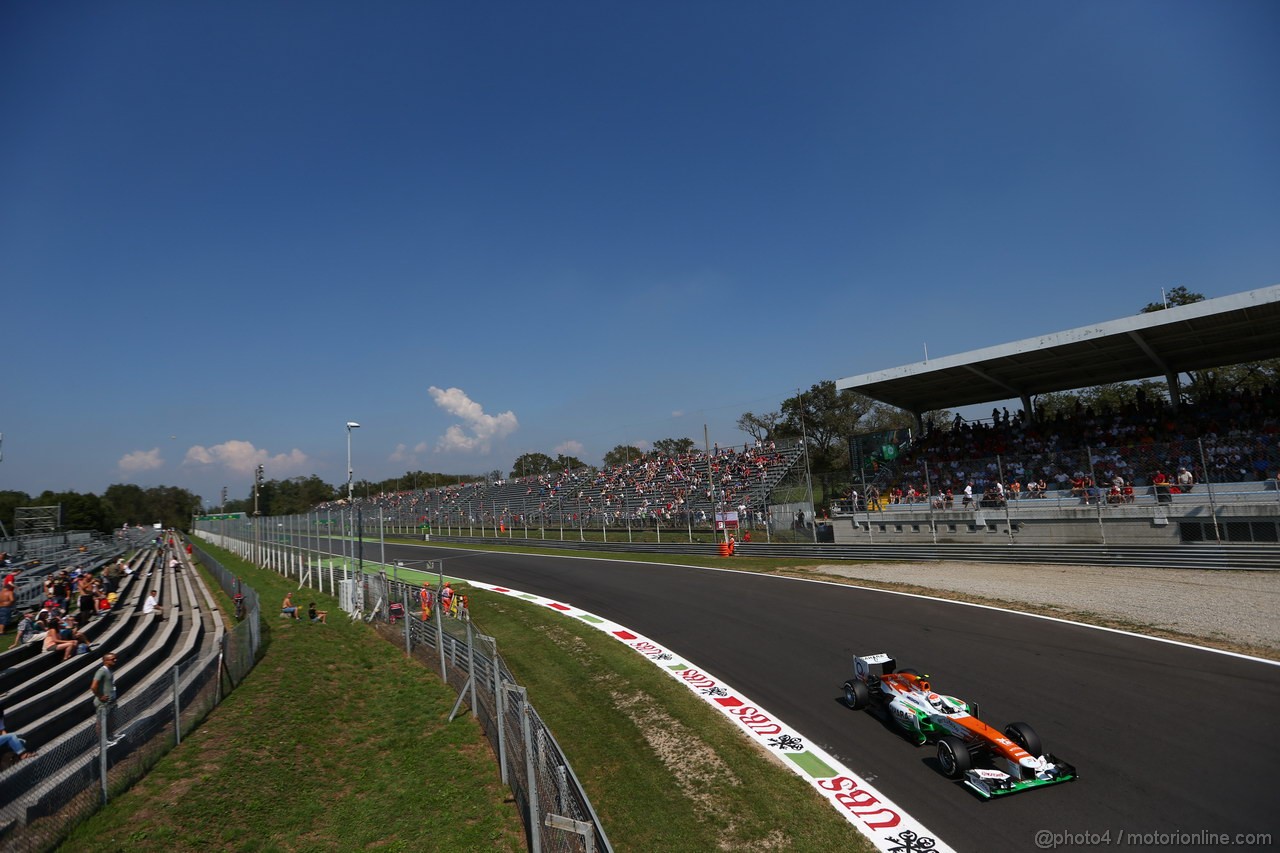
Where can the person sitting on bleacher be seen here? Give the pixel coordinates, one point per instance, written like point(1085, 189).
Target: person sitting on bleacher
point(71, 631)
point(53, 642)
point(28, 628)
point(152, 605)
point(13, 741)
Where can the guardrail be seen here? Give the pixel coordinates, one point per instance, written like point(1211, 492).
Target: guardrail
point(1197, 556)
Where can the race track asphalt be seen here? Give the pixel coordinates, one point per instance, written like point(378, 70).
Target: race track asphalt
point(1166, 738)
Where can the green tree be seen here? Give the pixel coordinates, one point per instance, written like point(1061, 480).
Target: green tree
point(622, 454)
point(532, 465)
point(568, 463)
point(827, 417)
point(79, 512)
point(760, 427)
point(674, 446)
point(127, 504)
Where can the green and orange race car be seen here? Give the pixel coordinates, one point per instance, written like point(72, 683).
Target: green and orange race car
point(990, 762)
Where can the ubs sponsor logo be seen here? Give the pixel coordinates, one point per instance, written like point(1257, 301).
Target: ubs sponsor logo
point(864, 804)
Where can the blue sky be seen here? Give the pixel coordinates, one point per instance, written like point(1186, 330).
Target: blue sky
point(481, 229)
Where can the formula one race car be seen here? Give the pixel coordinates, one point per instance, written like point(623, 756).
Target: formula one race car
point(990, 763)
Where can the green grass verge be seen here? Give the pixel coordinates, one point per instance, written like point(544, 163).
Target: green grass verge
point(333, 742)
point(338, 742)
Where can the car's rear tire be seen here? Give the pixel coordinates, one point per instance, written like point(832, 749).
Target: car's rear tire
point(954, 757)
point(856, 695)
point(1024, 736)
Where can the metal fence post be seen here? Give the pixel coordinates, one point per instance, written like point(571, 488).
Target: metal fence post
point(500, 702)
point(444, 673)
point(471, 667)
point(177, 709)
point(102, 748)
point(531, 773)
point(408, 618)
point(222, 666)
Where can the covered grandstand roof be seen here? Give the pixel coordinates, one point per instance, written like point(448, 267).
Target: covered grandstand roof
point(1213, 333)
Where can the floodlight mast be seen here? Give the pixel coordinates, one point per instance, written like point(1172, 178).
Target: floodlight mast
point(350, 426)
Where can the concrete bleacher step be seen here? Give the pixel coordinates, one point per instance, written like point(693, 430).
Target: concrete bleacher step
point(185, 633)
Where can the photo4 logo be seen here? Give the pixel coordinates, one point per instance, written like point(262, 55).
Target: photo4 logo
point(887, 826)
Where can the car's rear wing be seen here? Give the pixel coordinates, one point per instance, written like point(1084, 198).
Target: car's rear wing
point(865, 666)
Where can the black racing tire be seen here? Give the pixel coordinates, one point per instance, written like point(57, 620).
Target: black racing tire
point(1024, 736)
point(954, 757)
point(856, 695)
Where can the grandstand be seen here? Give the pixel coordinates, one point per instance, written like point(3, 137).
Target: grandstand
point(656, 490)
point(1088, 478)
point(165, 663)
point(1095, 475)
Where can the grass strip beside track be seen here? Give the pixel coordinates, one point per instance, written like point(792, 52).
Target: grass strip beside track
point(337, 742)
point(664, 771)
point(333, 742)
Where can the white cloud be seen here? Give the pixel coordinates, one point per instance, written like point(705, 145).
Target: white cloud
point(241, 457)
point(140, 460)
point(569, 448)
point(406, 456)
point(678, 413)
point(477, 431)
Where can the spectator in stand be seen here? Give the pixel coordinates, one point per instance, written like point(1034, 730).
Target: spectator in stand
point(7, 599)
point(88, 604)
point(1160, 482)
point(1185, 481)
point(53, 642)
point(28, 628)
point(151, 606)
point(13, 741)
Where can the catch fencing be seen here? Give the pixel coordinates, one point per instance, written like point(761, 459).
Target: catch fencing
point(557, 813)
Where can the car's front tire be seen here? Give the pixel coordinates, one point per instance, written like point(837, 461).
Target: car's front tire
point(1024, 736)
point(856, 695)
point(954, 757)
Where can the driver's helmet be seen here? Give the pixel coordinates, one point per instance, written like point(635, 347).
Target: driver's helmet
point(935, 701)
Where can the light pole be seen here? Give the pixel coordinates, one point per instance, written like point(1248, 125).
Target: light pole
point(350, 426)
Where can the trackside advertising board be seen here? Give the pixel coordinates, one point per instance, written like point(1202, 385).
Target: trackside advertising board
point(890, 828)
